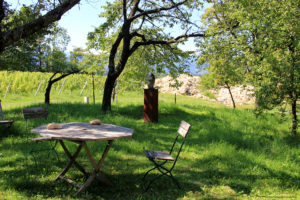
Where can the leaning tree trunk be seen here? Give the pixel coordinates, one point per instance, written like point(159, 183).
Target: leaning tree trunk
point(294, 117)
point(108, 89)
point(228, 87)
point(48, 91)
point(51, 82)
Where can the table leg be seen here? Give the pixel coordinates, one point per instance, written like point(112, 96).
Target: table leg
point(77, 165)
point(72, 158)
point(96, 166)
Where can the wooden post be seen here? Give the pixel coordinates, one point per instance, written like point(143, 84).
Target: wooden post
point(84, 87)
point(38, 87)
point(150, 105)
point(61, 87)
point(8, 87)
point(93, 88)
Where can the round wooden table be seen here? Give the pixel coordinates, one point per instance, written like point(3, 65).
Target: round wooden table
point(80, 133)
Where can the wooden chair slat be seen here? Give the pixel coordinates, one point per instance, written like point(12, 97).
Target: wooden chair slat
point(40, 139)
point(183, 128)
point(2, 120)
point(38, 112)
point(158, 155)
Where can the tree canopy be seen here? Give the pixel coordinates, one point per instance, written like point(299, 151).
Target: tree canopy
point(264, 36)
point(30, 20)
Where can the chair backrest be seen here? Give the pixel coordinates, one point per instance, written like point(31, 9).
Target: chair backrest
point(1, 112)
point(183, 128)
point(38, 112)
point(34, 113)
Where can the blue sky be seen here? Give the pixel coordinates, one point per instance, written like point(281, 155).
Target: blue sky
point(82, 19)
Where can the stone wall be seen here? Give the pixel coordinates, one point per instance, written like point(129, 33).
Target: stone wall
point(190, 86)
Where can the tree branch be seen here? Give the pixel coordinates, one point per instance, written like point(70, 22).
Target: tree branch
point(134, 9)
point(125, 10)
point(63, 76)
point(9, 37)
point(164, 42)
point(157, 10)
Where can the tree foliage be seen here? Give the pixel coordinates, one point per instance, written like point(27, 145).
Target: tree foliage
point(265, 37)
point(30, 20)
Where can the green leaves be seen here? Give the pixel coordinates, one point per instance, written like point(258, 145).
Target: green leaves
point(261, 36)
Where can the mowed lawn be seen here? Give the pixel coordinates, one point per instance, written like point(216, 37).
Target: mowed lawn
point(229, 154)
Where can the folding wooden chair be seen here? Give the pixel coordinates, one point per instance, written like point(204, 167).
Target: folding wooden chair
point(35, 113)
point(2, 120)
point(161, 158)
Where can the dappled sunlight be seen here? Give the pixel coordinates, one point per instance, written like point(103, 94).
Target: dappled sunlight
point(228, 153)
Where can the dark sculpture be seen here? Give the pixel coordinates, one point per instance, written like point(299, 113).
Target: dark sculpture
point(151, 80)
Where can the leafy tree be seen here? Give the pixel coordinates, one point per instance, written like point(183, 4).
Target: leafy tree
point(134, 24)
point(225, 66)
point(57, 63)
point(14, 28)
point(266, 35)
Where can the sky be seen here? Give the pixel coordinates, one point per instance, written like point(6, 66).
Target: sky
point(82, 19)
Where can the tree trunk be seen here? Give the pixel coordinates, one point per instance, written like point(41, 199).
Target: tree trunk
point(48, 91)
point(294, 117)
point(51, 82)
point(109, 85)
point(228, 87)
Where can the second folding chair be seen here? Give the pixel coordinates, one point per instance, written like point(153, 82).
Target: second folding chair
point(159, 159)
point(37, 113)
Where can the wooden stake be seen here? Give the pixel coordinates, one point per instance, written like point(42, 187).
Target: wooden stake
point(93, 88)
point(8, 87)
point(61, 87)
point(84, 87)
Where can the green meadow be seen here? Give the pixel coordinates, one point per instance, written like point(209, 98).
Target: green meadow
point(229, 154)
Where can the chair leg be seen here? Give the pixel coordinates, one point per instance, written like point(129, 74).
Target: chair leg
point(160, 168)
point(174, 180)
point(152, 181)
point(144, 177)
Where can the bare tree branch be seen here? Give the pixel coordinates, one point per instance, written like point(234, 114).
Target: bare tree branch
point(164, 42)
point(157, 10)
point(134, 9)
point(125, 10)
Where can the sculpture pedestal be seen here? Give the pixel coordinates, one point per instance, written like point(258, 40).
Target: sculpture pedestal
point(150, 105)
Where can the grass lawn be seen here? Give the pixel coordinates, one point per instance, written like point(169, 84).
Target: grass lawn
point(229, 154)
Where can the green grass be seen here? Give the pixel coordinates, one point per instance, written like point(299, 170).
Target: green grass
point(229, 154)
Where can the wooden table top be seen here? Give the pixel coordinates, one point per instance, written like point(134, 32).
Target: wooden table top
point(84, 131)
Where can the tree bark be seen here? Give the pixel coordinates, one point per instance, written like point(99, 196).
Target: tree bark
point(228, 87)
point(51, 82)
point(109, 85)
point(48, 91)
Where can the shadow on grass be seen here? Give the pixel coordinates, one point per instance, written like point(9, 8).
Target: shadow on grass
point(206, 129)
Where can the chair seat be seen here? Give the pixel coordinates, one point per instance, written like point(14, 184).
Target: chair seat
point(6, 121)
point(36, 139)
point(158, 155)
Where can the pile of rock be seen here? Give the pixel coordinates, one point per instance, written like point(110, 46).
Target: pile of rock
point(189, 85)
